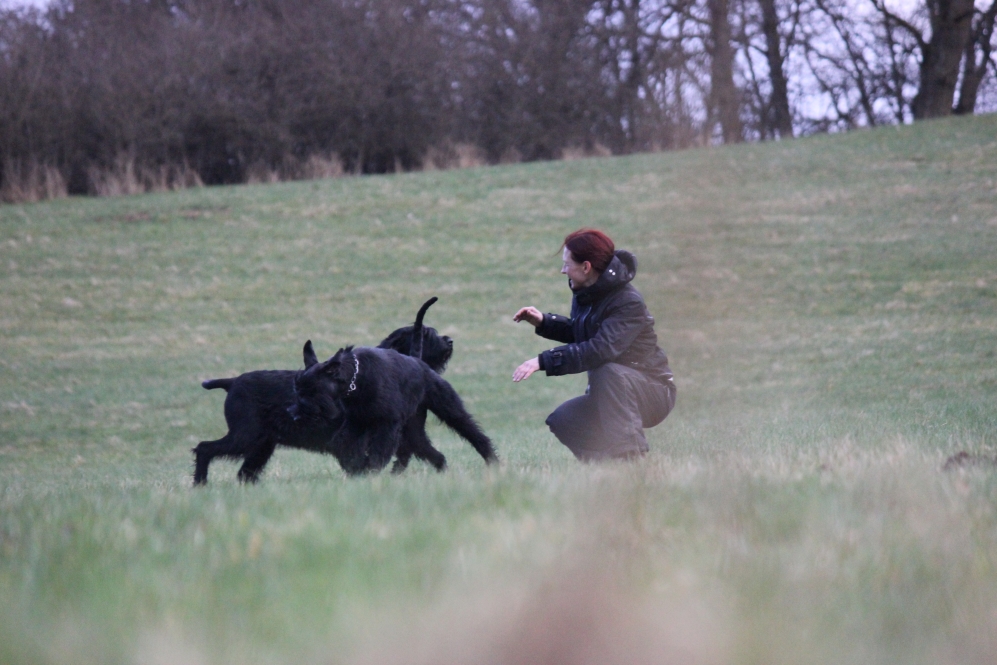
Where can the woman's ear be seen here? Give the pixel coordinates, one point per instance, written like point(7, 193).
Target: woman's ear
point(587, 267)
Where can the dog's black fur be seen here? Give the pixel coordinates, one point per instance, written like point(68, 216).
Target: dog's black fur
point(425, 343)
point(257, 403)
point(421, 341)
point(256, 412)
point(384, 396)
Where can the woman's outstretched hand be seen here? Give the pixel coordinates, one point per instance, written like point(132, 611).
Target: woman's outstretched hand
point(530, 315)
point(535, 317)
point(527, 368)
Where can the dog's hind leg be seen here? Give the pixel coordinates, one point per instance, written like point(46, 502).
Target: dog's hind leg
point(255, 461)
point(416, 442)
point(428, 453)
point(206, 451)
point(446, 404)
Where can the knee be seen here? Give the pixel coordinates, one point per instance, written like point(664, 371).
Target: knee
point(554, 421)
point(560, 422)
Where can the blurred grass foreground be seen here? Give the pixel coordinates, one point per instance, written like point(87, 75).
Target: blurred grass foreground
point(829, 306)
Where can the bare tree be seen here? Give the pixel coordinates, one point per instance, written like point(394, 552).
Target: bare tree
point(941, 51)
point(528, 76)
point(977, 58)
point(766, 33)
point(781, 121)
point(724, 100)
point(232, 88)
point(861, 63)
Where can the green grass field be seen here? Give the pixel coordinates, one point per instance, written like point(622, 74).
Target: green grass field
point(829, 306)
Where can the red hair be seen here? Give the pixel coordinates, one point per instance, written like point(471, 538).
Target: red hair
point(590, 245)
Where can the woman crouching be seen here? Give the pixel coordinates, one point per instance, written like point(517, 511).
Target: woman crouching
point(610, 335)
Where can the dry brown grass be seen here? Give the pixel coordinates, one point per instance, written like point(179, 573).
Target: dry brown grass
point(36, 182)
point(581, 152)
point(458, 156)
point(316, 167)
point(126, 178)
point(31, 182)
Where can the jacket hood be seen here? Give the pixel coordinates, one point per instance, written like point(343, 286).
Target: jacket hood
point(620, 272)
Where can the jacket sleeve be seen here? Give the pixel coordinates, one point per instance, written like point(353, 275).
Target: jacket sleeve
point(557, 328)
point(618, 331)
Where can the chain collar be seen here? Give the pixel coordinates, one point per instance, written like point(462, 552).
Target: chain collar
point(356, 371)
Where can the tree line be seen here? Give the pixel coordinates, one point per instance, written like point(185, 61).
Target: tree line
point(98, 94)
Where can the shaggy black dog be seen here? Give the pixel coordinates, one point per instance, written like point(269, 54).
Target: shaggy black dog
point(425, 343)
point(420, 341)
point(256, 410)
point(257, 403)
point(382, 394)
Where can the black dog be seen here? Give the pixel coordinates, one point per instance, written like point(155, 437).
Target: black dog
point(256, 412)
point(256, 409)
point(384, 396)
point(428, 345)
point(420, 341)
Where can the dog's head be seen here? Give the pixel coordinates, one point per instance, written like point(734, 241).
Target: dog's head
point(421, 341)
point(318, 385)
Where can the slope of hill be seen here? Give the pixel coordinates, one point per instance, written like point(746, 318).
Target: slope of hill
point(829, 306)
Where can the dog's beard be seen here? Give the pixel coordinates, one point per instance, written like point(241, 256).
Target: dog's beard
point(436, 353)
point(436, 350)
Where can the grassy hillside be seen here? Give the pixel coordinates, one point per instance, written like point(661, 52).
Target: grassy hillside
point(829, 306)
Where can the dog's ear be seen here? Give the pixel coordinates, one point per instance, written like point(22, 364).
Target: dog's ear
point(309, 353)
point(332, 365)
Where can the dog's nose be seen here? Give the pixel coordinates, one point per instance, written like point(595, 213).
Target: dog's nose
point(293, 412)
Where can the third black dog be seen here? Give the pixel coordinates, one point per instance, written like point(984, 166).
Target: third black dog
point(384, 396)
point(256, 412)
point(423, 342)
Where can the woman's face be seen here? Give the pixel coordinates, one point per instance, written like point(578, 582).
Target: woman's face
point(579, 275)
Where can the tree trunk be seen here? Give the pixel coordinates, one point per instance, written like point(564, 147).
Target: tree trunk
point(951, 21)
point(782, 120)
point(723, 94)
point(973, 71)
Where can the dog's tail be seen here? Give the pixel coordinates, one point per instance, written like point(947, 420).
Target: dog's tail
point(446, 404)
point(211, 384)
point(416, 346)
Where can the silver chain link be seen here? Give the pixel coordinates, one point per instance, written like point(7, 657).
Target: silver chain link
point(353, 381)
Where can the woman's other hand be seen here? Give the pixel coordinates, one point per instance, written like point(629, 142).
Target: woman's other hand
point(530, 315)
point(527, 368)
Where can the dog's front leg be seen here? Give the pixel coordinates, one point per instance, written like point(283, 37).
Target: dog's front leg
point(382, 443)
point(255, 461)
